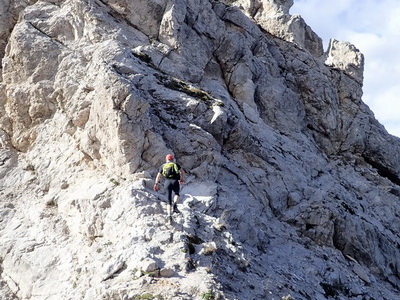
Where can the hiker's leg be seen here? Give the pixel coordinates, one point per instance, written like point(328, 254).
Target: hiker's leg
point(169, 205)
point(176, 199)
point(169, 188)
point(169, 209)
point(176, 188)
point(175, 207)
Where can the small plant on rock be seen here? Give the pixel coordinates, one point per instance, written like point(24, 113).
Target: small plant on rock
point(147, 296)
point(114, 181)
point(210, 295)
point(30, 167)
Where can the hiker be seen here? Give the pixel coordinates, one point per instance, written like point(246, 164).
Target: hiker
point(174, 176)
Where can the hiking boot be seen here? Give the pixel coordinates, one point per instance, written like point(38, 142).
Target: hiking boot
point(176, 210)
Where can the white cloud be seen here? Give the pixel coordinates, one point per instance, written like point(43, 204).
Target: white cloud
point(373, 26)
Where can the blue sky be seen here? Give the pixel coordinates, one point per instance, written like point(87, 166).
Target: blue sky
point(373, 26)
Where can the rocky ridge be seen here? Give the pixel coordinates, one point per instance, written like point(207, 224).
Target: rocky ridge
point(293, 186)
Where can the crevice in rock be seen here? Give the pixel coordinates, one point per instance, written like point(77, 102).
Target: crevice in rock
point(382, 170)
point(147, 60)
point(317, 130)
point(255, 9)
point(119, 270)
point(184, 87)
point(46, 34)
point(224, 74)
point(348, 208)
point(118, 16)
point(334, 290)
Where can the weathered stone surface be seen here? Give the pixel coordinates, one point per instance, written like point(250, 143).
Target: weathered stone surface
point(344, 56)
point(292, 187)
point(273, 16)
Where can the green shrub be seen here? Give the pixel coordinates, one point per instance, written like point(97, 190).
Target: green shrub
point(147, 296)
point(210, 295)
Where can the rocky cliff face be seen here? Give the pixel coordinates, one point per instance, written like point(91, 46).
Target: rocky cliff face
point(292, 189)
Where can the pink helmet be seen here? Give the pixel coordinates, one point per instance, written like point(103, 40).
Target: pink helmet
point(169, 157)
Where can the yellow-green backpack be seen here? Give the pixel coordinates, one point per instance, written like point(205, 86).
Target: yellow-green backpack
point(170, 170)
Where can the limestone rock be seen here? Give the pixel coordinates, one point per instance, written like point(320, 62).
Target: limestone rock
point(148, 265)
point(273, 16)
point(346, 57)
point(292, 186)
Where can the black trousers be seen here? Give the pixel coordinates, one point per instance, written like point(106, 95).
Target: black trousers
point(171, 185)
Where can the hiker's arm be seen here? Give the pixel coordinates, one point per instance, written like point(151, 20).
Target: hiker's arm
point(158, 178)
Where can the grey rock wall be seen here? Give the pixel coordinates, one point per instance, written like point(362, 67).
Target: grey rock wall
point(292, 189)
